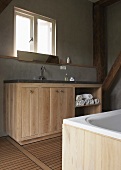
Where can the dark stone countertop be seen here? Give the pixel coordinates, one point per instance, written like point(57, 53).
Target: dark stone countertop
point(48, 81)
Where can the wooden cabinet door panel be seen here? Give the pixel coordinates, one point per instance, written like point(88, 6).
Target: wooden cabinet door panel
point(44, 110)
point(61, 106)
point(69, 110)
point(54, 109)
point(29, 111)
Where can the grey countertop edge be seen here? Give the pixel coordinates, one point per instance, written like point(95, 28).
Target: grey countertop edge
point(49, 81)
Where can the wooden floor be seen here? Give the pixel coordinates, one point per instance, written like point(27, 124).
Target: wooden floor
point(43, 155)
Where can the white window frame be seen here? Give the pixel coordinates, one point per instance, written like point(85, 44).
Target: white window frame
point(34, 17)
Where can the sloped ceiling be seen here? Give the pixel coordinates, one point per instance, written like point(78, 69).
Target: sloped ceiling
point(4, 4)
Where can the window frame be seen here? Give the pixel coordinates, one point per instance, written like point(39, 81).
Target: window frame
point(34, 17)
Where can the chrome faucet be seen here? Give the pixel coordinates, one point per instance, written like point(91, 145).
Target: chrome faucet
point(41, 77)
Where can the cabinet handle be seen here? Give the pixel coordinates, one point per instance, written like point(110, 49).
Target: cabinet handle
point(57, 91)
point(62, 91)
point(31, 91)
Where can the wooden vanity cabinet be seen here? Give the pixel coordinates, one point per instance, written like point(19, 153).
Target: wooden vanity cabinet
point(37, 110)
point(33, 111)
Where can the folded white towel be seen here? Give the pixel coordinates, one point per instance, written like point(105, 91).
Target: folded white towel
point(87, 96)
point(96, 101)
point(80, 103)
point(78, 97)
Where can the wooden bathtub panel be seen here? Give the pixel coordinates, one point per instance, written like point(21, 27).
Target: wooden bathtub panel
point(86, 150)
point(111, 154)
point(73, 148)
point(92, 149)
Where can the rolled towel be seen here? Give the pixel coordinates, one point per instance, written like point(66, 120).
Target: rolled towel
point(87, 96)
point(77, 103)
point(80, 103)
point(96, 101)
point(87, 101)
point(78, 97)
point(91, 101)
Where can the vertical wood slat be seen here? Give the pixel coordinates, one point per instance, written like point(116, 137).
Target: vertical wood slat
point(44, 113)
point(92, 152)
point(30, 111)
point(10, 109)
point(73, 148)
point(54, 109)
point(34, 111)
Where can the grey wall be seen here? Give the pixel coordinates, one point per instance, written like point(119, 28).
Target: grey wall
point(74, 27)
point(113, 32)
point(112, 99)
point(13, 69)
point(74, 39)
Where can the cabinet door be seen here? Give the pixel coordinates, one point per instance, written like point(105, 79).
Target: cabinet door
point(67, 101)
point(29, 111)
point(61, 106)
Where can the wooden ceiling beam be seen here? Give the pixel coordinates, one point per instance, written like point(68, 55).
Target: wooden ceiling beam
point(106, 2)
point(99, 38)
point(99, 56)
point(112, 74)
point(4, 4)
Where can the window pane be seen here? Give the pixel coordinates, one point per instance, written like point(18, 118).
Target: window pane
point(44, 37)
point(22, 33)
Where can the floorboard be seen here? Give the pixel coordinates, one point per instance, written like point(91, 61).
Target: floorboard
point(42, 155)
point(48, 151)
point(13, 159)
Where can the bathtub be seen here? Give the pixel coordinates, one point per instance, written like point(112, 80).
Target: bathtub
point(106, 123)
point(92, 142)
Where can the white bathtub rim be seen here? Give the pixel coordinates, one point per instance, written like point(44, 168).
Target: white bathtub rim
point(82, 122)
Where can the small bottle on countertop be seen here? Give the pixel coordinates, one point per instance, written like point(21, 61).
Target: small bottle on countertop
point(66, 77)
point(68, 60)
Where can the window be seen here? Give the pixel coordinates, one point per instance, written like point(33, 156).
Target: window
point(34, 33)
